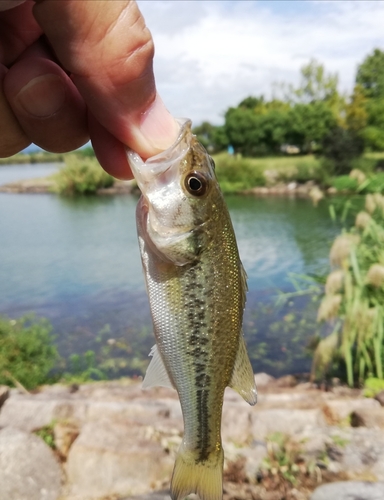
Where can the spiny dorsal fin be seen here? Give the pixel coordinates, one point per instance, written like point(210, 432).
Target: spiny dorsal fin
point(156, 375)
point(243, 380)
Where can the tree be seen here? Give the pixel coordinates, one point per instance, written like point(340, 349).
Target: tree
point(356, 115)
point(258, 133)
point(341, 146)
point(212, 137)
point(370, 75)
point(316, 85)
point(309, 124)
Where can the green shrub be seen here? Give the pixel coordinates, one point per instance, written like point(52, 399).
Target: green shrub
point(81, 175)
point(345, 183)
point(83, 368)
point(237, 174)
point(375, 184)
point(341, 147)
point(27, 353)
point(373, 386)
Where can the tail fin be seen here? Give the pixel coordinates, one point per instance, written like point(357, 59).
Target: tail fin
point(202, 477)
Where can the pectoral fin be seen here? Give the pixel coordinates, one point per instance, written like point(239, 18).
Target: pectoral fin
point(243, 380)
point(156, 375)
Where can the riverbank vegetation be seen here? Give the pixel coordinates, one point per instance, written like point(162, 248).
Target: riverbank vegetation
point(353, 303)
point(27, 352)
point(81, 175)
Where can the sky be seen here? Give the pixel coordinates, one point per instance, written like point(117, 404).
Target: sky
point(211, 54)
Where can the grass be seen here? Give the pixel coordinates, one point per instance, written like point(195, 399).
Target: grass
point(354, 299)
point(27, 353)
point(238, 174)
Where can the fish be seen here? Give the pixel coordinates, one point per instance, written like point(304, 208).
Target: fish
point(197, 287)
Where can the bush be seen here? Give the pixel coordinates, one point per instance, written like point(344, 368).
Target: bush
point(345, 183)
point(237, 174)
point(341, 147)
point(375, 184)
point(81, 176)
point(27, 353)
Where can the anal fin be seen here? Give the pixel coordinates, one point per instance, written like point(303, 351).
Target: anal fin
point(243, 379)
point(156, 375)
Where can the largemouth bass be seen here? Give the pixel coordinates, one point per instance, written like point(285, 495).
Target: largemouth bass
point(196, 287)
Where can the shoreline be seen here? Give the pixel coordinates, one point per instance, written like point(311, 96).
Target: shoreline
point(45, 186)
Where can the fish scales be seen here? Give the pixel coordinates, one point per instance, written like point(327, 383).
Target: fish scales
point(196, 290)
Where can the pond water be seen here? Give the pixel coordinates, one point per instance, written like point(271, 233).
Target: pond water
point(76, 262)
point(13, 173)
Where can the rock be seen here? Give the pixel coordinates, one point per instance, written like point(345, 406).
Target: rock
point(380, 397)
point(349, 490)
point(236, 423)
point(34, 411)
point(263, 379)
point(65, 434)
point(286, 381)
point(30, 413)
point(116, 459)
point(339, 410)
point(28, 468)
point(4, 394)
point(154, 495)
point(359, 451)
point(288, 422)
point(364, 417)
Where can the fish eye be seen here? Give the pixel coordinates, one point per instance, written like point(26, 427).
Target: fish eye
point(196, 184)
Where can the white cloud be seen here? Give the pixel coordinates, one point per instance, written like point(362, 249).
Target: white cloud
point(212, 54)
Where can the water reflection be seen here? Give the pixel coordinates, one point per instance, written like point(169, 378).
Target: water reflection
point(76, 261)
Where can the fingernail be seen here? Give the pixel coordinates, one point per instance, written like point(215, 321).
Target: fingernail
point(43, 96)
point(158, 126)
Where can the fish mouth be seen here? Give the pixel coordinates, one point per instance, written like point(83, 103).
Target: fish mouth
point(145, 171)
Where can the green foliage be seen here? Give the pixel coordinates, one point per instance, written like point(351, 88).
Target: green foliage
point(374, 184)
point(81, 176)
point(316, 84)
point(341, 147)
point(345, 183)
point(27, 354)
point(370, 75)
point(283, 458)
point(373, 386)
point(83, 368)
point(256, 127)
point(354, 299)
point(309, 124)
point(356, 113)
point(47, 435)
point(237, 174)
point(88, 151)
point(213, 138)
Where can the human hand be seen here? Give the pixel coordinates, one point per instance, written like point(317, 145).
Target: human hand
point(97, 81)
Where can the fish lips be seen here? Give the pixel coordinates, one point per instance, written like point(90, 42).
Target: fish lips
point(155, 169)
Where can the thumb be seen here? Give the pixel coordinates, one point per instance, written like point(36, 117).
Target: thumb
point(108, 50)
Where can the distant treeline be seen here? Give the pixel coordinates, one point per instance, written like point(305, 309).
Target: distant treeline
point(307, 119)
